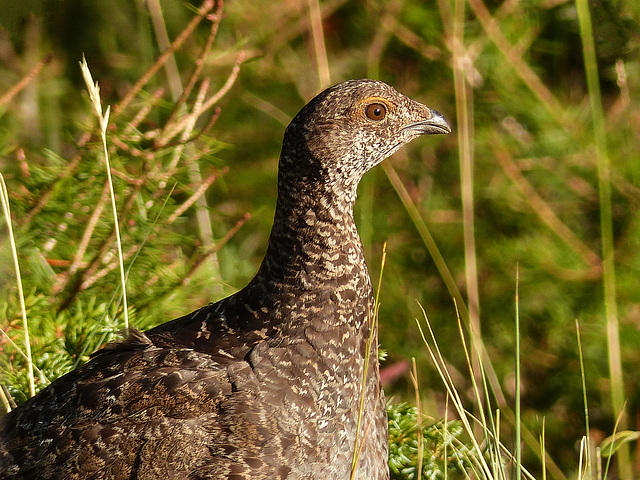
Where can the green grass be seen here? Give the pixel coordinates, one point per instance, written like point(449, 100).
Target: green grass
point(540, 176)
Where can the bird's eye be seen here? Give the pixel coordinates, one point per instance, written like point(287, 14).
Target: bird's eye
point(376, 111)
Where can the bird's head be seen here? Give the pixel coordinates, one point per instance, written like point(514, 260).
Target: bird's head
point(349, 128)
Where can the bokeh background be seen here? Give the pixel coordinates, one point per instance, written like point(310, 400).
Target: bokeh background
point(529, 198)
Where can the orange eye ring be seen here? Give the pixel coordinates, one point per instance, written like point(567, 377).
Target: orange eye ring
point(375, 111)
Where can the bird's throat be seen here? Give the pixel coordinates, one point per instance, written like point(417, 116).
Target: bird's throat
point(315, 263)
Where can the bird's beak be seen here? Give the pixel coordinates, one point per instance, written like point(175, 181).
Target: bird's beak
point(435, 124)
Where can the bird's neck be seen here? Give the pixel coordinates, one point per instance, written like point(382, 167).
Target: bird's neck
point(314, 261)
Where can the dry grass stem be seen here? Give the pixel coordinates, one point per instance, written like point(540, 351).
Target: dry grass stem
point(196, 195)
point(543, 450)
point(440, 365)
point(4, 199)
point(162, 37)
point(427, 238)
point(43, 378)
point(294, 22)
point(322, 63)
point(606, 227)
point(382, 36)
point(4, 399)
point(94, 95)
point(371, 341)
point(588, 447)
point(146, 107)
point(464, 111)
point(416, 388)
point(267, 108)
point(88, 232)
point(518, 387)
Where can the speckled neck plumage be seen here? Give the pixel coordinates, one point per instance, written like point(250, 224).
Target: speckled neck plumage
point(266, 383)
point(314, 250)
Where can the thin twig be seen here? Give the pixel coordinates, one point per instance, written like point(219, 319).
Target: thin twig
point(91, 225)
point(228, 84)
point(44, 197)
point(207, 5)
point(24, 81)
point(542, 209)
point(215, 248)
point(76, 263)
point(144, 111)
point(196, 195)
point(186, 127)
point(215, 17)
point(522, 68)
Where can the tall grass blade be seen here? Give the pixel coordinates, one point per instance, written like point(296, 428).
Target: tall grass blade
point(465, 418)
point(606, 225)
point(464, 112)
point(427, 239)
point(543, 449)
point(315, 15)
point(4, 199)
point(584, 394)
point(416, 387)
point(518, 384)
point(584, 461)
point(373, 337)
point(94, 96)
point(4, 399)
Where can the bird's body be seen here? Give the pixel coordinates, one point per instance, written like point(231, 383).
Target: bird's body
point(266, 383)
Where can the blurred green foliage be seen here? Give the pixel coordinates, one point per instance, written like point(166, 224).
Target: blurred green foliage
point(535, 179)
point(443, 446)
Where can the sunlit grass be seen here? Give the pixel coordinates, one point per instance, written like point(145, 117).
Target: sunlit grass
point(371, 347)
point(96, 104)
point(4, 200)
point(606, 225)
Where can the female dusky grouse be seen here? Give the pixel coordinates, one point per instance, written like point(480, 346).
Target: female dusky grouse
point(266, 383)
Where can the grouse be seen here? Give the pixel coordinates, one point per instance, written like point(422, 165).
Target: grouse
point(278, 381)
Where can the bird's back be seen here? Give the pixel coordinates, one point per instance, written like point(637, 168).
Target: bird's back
point(141, 409)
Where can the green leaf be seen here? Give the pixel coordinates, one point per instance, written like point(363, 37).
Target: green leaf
point(610, 445)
